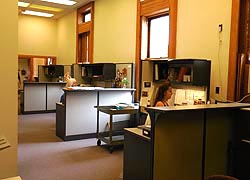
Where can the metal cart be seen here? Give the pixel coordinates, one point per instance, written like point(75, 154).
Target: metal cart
point(111, 137)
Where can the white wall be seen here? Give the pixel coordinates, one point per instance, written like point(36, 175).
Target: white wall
point(66, 39)
point(8, 92)
point(198, 37)
point(37, 36)
point(115, 30)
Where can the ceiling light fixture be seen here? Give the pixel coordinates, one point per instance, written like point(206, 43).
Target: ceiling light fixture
point(46, 8)
point(23, 4)
point(64, 2)
point(36, 13)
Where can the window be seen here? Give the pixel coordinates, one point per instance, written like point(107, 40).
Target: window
point(83, 44)
point(87, 16)
point(85, 26)
point(149, 13)
point(158, 37)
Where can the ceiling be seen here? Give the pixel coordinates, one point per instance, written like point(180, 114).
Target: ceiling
point(64, 9)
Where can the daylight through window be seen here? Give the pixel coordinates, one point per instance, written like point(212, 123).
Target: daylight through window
point(158, 37)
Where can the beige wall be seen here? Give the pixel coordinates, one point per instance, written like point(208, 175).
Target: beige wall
point(115, 35)
point(66, 39)
point(114, 40)
point(115, 31)
point(198, 37)
point(37, 36)
point(8, 95)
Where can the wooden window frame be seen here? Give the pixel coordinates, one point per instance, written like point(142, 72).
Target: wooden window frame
point(31, 62)
point(85, 34)
point(150, 8)
point(233, 51)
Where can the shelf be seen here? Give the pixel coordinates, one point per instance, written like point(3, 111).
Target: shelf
point(105, 71)
point(186, 71)
point(111, 137)
point(116, 140)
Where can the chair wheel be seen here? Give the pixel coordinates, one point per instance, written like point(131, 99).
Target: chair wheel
point(98, 142)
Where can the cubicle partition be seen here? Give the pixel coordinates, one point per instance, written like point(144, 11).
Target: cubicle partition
point(41, 97)
point(77, 117)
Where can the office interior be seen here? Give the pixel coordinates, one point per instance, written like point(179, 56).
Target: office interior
point(207, 30)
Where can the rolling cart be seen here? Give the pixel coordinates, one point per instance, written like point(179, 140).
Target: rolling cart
point(111, 137)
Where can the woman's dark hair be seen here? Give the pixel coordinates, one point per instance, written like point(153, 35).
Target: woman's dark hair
point(160, 93)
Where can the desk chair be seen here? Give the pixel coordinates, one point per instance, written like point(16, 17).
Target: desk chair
point(220, 177)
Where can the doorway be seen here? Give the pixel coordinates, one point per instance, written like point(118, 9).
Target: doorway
point(28, 72)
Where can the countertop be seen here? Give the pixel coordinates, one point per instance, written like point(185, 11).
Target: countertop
point(77, 89)
point(137, 132)
point(198, 107)
point(44, 82)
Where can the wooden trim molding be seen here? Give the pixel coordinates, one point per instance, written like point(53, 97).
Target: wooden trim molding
point(82, 28)
point(25, 56)
point(152, 7)
point(173, 28)
point(31, 69)
point(138, 52)
point(233, 50)
point(246, 79)
point(34, 56)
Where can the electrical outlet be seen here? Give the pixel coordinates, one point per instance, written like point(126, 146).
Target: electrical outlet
point(217, 90)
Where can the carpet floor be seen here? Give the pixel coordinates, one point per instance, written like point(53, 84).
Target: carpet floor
point(44, 156)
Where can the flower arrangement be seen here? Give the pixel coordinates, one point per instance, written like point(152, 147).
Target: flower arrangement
point(121, 79)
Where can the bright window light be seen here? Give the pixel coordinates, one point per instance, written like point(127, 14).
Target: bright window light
point(65, 2)
point(159, 37)
point(87, 17)
point(35, 13)
point(23, 4)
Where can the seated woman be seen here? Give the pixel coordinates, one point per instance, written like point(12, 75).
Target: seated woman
point(70, 83)
point(164, 93)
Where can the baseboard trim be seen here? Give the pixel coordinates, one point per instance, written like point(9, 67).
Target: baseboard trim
point(78, 137)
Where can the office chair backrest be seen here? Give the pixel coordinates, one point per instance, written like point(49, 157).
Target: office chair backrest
point(221, 177)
